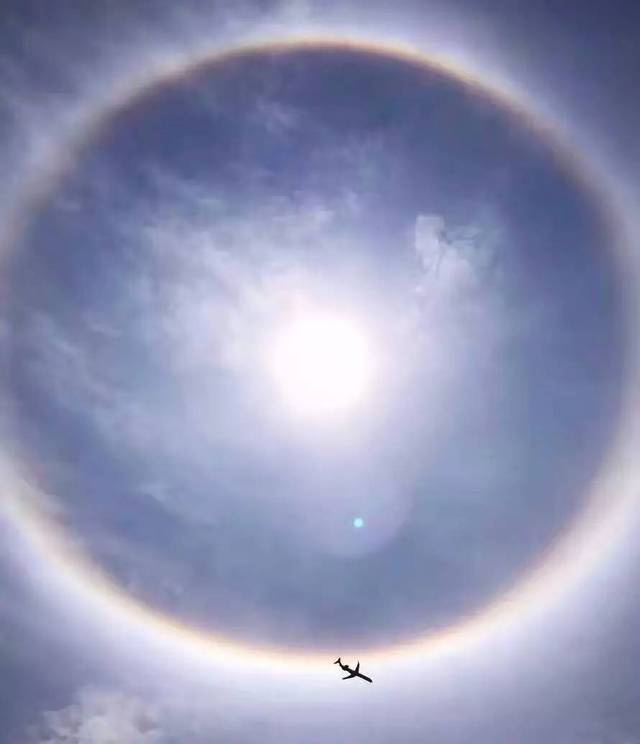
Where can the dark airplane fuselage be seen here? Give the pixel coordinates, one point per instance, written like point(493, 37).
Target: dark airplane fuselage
point(347, 668)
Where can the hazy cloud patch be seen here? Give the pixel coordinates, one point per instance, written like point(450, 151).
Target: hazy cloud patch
point(99, 716)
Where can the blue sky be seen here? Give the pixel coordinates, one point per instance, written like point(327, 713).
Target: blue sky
point(145, 286)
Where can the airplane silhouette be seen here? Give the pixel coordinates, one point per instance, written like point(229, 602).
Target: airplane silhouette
point(352, 672)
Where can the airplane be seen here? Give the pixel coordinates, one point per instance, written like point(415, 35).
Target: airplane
point(352, 672)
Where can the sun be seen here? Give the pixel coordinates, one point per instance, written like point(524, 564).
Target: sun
point(322, 364)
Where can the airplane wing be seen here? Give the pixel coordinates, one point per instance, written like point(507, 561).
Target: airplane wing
point(350, 676)
point(357, 668)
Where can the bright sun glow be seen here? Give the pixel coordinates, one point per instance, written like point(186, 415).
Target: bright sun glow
point(322, 363)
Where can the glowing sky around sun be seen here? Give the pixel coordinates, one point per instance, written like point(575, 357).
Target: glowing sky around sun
point(322, 363)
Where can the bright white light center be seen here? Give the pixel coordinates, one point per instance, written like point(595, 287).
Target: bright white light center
point(322, 364)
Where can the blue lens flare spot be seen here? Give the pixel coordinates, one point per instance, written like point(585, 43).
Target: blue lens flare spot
point(358, 522)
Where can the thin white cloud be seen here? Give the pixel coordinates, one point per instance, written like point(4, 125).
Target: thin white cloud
point(457, 259)
point(100, 716)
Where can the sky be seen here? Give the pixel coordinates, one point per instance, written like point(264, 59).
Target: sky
point(318, 340)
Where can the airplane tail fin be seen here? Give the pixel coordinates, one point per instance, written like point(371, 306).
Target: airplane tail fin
point(337, 661)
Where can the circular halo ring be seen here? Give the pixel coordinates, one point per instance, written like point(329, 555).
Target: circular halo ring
point(566, 562)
